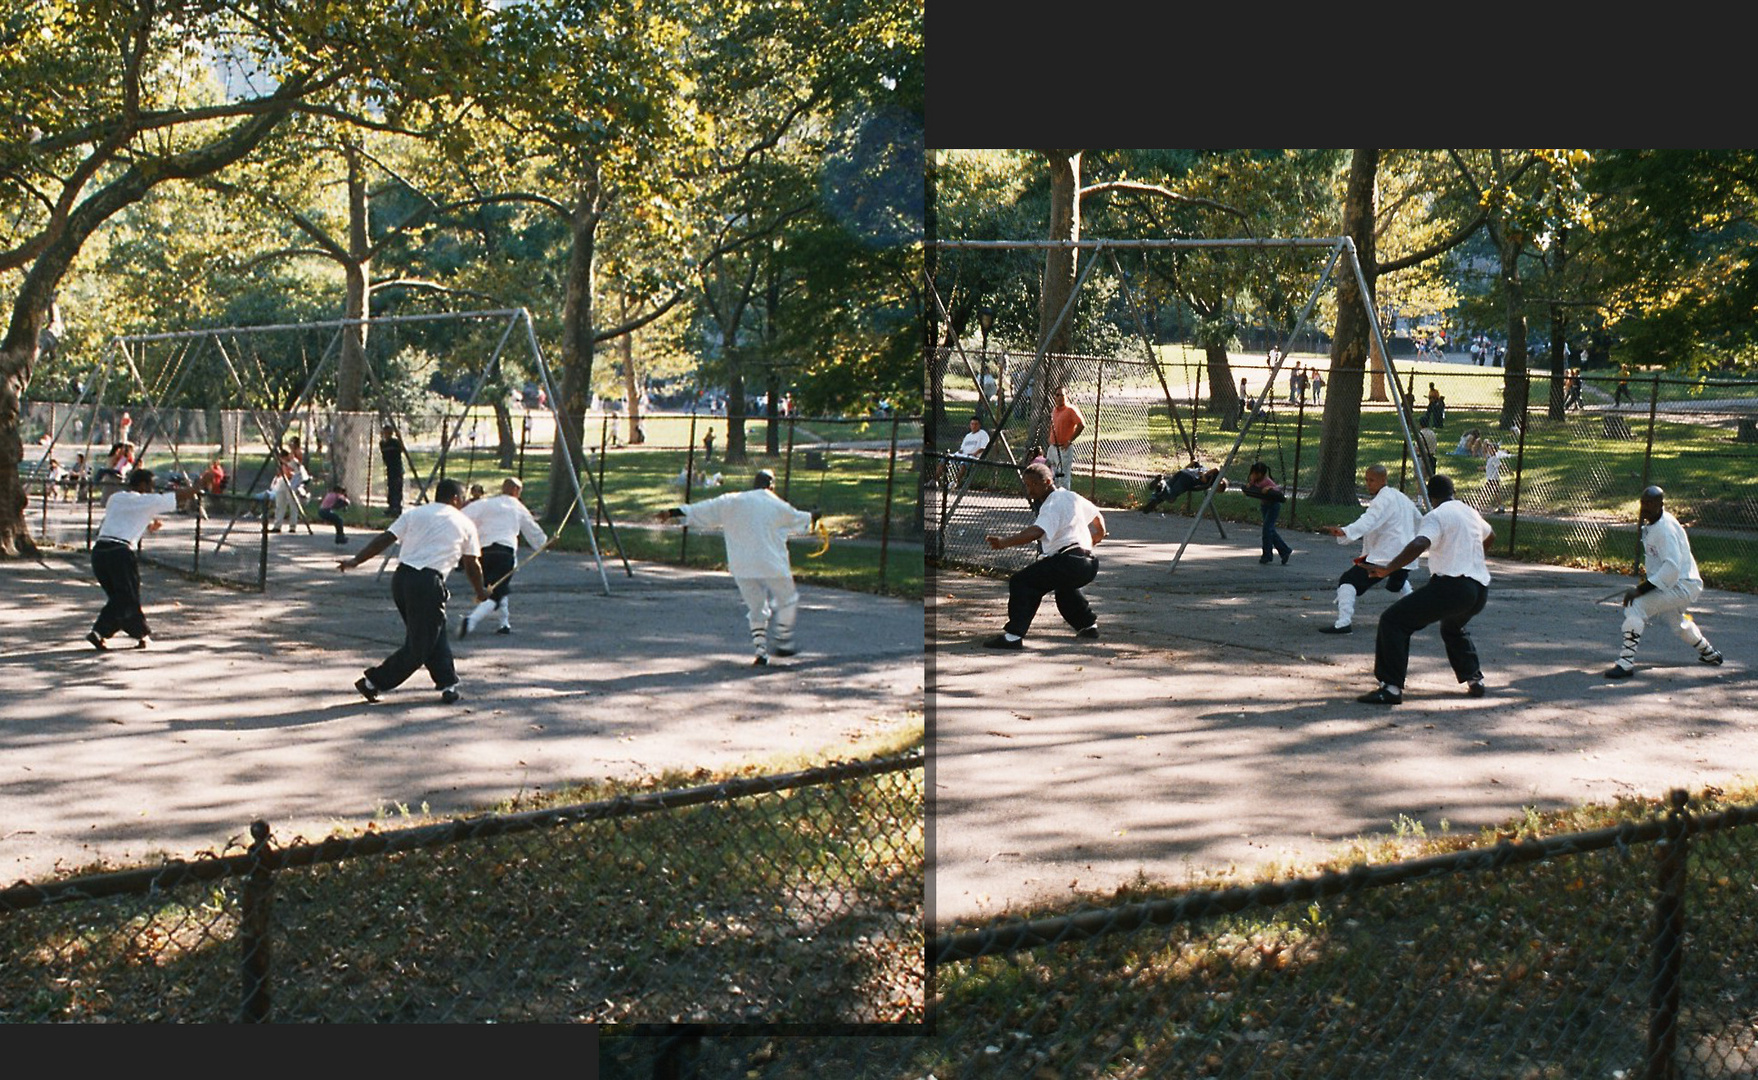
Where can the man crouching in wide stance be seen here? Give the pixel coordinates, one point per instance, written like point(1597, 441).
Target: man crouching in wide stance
point(1457, 539)
point(1067, 528)
point(1670, 584)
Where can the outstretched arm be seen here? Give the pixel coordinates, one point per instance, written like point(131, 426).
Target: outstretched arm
point(377, 544)
point(1404, 558)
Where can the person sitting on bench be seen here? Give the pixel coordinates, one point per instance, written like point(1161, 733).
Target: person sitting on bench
point(1192, 477)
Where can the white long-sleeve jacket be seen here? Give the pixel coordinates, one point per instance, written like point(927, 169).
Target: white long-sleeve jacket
point(1667, 560)
point(1388, 523)
point(756, 524)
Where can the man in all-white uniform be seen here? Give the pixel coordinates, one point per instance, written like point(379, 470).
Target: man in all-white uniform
point(500, 521)
point(1067, 528)
point(756, 524)
point(1457, 540)
point(129, 513)
point(1388, 523)
point(436, 537)
point(1670, 584)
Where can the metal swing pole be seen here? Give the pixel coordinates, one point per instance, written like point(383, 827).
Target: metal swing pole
point(558, 412)
point(1244, 429)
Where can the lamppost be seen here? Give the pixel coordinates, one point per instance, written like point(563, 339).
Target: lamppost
point(985, 322)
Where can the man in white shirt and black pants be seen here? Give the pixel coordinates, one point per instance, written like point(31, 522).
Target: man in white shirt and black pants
point(1068, 527)
point(1670, 584)
point(436, 537)
point(500, 521)
point(1457, 539)
point(1384, 528)
point(129, 513)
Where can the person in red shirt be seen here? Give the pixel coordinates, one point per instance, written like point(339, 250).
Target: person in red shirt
point(1066, 424)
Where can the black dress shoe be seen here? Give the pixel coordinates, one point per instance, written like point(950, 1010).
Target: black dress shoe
point(1382, 696)
point(1337, 629)
point(97, 642)
point(1475, 688)
point(1617, 671)
point(999, 641)
point(1088, 631)
point(367, 690)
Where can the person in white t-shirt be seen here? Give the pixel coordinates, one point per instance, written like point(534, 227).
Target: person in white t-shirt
point(756, 524)
point(130, 513)
point(970, 448)
point(1066, 529)
point(500, 522)
point(1670, 584)
point(1457, 540)
point(436, 537)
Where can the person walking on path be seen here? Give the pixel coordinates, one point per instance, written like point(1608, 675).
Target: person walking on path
point(1318, 385)
point(1067, 529)
point(1384, 528)
point(756, 524)
point(1621, 395)
point(436, 538)
point(1259, 485)
point(1066, 425)
point(501, 520)
point(130, 513)
point(1670, 584)
point(1457, 540)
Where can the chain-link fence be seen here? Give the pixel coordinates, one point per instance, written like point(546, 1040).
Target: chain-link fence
point(1626, 951)
point(786, 899)
point(1569, 463)
point(222, 539)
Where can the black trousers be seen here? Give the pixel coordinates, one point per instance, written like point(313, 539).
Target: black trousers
point(1450, 601)
point(118, 571)
point(1064, 574)
point(1358, 576)
point(420, 596)
point(394, 487)
point(497, 563)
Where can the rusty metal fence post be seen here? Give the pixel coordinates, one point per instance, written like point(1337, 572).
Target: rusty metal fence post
point(253, 930)
point(1519, 464)
point(1669, 943)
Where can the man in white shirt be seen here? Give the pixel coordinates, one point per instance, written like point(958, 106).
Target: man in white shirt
point(756, 524)
point(1067, 529)
point(1384, 528)
point(129, 513)
point(971, 447)
point(1457, 539)
point(436, 537)
point(500, 521)
point(1670, 584)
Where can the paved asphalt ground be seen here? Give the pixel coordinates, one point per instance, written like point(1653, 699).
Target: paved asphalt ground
point(244, 707)
point(1213, 729)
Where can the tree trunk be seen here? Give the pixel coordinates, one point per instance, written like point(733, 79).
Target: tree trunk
point(735, 401)
point(1514, 382)
point(631, 381)
point(503, 429)
point(1340, 434)
point(576, 350)
point(1060, 263)
point(1223, 394)
point(936, 417)
point(357, 271)
point(1559, 372)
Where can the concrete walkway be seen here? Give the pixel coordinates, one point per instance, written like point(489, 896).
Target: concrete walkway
point(244, 707)
point(1213, 729)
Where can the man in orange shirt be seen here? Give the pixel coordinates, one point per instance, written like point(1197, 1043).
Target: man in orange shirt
point(1066, 424)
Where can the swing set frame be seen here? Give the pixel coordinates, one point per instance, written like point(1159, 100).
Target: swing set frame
point(1342, 249)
